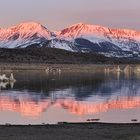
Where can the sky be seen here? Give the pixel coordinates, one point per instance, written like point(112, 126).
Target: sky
point(58, 14)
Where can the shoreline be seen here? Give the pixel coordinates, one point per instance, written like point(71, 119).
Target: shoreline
point(65, 67)
point(72, 131)
point(76, 124)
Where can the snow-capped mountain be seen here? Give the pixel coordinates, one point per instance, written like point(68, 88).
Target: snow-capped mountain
point(23, 35)
point(97, 32)
point(101, 39)
point(79, 37)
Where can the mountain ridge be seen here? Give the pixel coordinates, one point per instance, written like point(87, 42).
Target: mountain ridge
point(78, 37)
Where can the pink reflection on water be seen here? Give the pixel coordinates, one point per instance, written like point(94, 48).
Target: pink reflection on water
point(32, 109)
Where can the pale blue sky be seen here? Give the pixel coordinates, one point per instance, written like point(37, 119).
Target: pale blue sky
point(58, 14)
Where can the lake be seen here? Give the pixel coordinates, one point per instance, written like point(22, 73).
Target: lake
point(41, 97)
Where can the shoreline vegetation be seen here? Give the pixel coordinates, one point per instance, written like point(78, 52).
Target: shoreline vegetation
point(88, 68)
point(72, 131)
point(34, 55)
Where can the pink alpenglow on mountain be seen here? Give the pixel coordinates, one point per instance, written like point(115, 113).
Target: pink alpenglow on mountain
point(77, 38)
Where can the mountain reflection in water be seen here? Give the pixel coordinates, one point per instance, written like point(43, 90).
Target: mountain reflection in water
point(34, 109)
point(79, 94)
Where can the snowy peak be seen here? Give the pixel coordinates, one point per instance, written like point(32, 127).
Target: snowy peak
point(80, 30)
point(84, 30)
point(34, 28)
point(24, 34)
point(25, 30)
point(116, 42)
point(27, 26)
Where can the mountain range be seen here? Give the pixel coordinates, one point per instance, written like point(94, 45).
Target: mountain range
point(76, 38)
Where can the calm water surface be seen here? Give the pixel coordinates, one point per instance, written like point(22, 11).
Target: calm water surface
point(38, 97)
